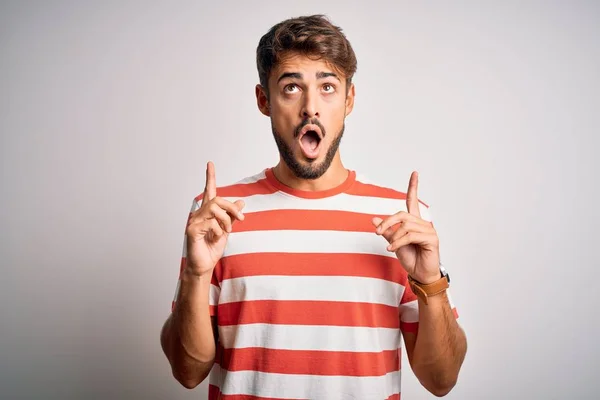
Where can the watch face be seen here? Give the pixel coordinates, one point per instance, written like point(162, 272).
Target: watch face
point(444, 273)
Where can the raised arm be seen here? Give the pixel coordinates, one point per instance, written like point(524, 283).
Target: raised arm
point(437, 350)
point(189, 336)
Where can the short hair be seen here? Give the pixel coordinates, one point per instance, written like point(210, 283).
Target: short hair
point(313, 36)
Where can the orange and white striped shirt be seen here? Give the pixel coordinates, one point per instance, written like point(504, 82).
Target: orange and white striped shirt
point(309, 303)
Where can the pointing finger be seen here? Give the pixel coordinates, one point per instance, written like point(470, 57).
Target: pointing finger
point(412, 199)
point(210, 189)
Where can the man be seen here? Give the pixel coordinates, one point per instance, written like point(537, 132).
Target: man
point(302, 280)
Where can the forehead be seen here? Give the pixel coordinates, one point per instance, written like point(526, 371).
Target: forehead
point(304, 64)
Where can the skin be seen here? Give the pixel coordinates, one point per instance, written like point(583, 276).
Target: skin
point(300, 90)
point(307, 95)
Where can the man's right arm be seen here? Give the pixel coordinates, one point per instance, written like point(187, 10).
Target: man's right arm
point(189, 336)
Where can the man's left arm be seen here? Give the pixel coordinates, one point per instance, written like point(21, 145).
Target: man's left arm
point(438, 346)
point(437, 349)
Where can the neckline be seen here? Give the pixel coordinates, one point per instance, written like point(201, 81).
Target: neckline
point(310, 194)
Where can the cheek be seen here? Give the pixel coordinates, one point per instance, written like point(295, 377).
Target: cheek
point(283, 117)
point(336, 120)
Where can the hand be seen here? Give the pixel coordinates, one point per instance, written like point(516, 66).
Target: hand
point(209, 226)
point(413, 239)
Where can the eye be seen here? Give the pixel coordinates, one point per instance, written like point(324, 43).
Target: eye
point(328, 88)
point(291, 88)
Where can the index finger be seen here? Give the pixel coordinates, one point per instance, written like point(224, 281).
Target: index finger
point(210, 188)
point(412, 199)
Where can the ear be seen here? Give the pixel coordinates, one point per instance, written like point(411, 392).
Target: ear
point(350, 99)
point(262, 101)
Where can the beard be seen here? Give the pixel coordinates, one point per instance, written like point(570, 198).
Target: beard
point(313, 169)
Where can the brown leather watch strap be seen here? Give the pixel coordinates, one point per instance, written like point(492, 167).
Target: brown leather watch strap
point(423, 291)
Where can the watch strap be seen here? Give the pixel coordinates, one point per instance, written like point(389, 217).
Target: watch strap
point(424, 291)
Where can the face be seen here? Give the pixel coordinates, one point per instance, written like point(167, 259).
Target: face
point(307, 104)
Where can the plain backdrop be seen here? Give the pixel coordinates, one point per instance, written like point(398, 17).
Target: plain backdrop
point(109, 112)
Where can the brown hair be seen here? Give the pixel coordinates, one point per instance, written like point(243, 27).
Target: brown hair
point(313, 36)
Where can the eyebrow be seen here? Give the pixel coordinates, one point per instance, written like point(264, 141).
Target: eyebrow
point(297, 75)
point(321, 75)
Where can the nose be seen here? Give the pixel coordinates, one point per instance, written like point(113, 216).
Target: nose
point(310, 108)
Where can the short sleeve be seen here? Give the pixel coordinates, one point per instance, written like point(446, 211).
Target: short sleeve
point(215, 290)
point(409, 310)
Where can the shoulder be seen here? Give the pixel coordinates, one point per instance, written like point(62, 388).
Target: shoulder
point(244, 187)
point(368, 186)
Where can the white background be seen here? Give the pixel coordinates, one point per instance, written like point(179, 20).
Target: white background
point(110, 111)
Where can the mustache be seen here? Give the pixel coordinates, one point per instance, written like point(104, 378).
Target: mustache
point(313, 121)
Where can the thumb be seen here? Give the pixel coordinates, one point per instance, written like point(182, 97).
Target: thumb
point(376, 221)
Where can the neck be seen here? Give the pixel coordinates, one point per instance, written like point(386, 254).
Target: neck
point(335, 175)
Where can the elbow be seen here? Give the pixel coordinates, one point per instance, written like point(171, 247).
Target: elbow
point(439, 384)
point(441, 389)
point(187, 382)
point(190, 379)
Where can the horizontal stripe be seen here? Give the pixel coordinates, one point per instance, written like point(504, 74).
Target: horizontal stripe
point(305, 220)
point(408, 295)
point(241, 190)
point(409, 312)
point(340, 202)
point(213, 295)
point(331, 313)
point(293, 241)
point(291, 386)
point(253, 178)
point(215, 394)
point(315, 288)
point(409, 327)
point(303, 337)
point(311, 362)
point(365, 187)
point(307, 264)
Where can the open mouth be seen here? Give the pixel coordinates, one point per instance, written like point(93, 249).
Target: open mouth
point(310, 139)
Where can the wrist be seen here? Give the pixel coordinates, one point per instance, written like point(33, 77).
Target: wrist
point(427, 291)
point(426, 280)
point(189, 274)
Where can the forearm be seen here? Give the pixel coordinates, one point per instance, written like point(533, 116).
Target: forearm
point(187, 337)
point(440, 345)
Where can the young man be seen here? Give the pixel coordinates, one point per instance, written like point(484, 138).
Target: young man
point(302, 280)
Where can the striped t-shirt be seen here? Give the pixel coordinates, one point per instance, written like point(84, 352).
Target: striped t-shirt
point(309, 303)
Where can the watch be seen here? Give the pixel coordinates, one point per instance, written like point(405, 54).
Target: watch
point(424, 291)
